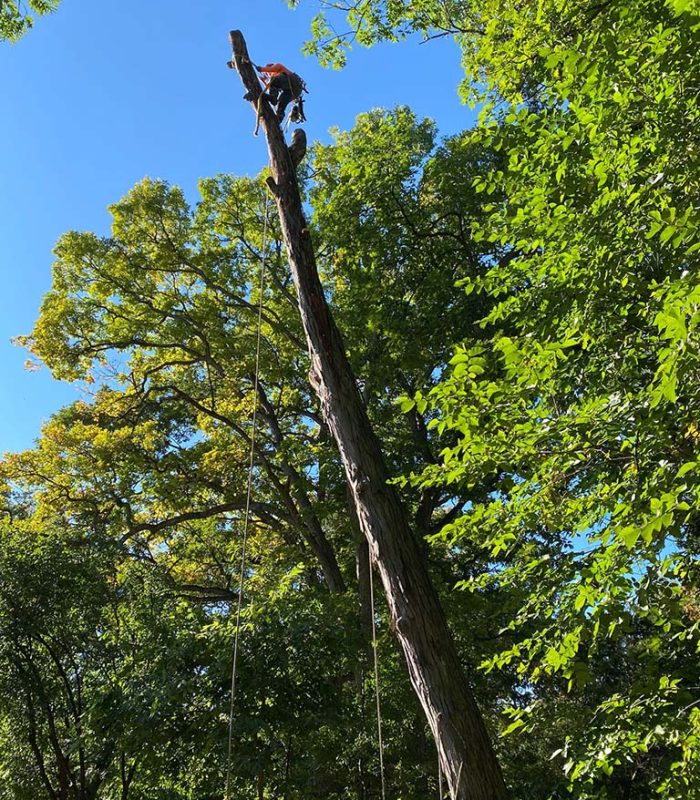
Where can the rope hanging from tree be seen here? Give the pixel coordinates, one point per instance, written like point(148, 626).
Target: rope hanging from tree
point(234, 667)
point(244, 544)
point(377, 694)
point(249, 491)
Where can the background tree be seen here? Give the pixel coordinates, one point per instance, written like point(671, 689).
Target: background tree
point(99, 667)
point(17, 17)
point(158, 319)
point(580, 412)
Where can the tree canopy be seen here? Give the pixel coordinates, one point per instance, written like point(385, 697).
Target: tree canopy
point(17, 17)
point(519, 303)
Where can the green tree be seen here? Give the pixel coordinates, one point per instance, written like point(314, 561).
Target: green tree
point(578, 416)
point(17, 17)
point(97, 659)
point(158, 321)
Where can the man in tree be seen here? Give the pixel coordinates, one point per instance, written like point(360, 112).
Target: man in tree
point(282, 86)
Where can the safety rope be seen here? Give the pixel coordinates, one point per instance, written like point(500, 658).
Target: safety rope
point(380, 740)
point(296, 98)
point(258, 112)
point(249, 491)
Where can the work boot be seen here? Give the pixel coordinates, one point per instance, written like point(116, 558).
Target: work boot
point(248, 96)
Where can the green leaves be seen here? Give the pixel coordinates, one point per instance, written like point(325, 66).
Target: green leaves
point(159, 319)
point(550, 456)
point(570, 412)
point(16, 17)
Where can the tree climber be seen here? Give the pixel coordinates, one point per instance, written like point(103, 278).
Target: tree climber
point(282, 86)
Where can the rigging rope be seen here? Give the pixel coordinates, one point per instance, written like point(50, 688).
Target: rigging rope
point(380, 738)
point(376, 677)
point(249, 491)
point(244, 544)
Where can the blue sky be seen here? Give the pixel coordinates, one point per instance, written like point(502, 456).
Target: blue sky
point(101, 94)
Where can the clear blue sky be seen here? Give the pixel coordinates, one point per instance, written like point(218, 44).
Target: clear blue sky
point(101, 94)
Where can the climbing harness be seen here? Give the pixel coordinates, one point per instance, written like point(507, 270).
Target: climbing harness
point(249, 492)
point(380, 740)
point(296, 115)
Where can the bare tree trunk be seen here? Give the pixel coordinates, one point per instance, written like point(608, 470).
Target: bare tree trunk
point(434, 668)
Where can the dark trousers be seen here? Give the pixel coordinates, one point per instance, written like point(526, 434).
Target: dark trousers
point(281, 90)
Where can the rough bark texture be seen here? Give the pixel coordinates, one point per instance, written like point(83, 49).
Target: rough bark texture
point(464, 748)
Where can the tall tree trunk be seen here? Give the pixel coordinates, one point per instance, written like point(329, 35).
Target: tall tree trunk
point(465, 751)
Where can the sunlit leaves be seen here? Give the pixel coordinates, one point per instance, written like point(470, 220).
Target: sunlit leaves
point(17, 17)
point(579, 419)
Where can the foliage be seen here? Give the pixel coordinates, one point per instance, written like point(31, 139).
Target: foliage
point(579, 414)
point(97, 666)
point(16, 17)
point(157, 324)
point(549, 459)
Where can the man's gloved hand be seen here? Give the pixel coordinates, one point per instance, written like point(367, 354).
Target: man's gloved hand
point(230, 65)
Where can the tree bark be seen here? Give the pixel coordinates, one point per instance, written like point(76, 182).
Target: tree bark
point(434, 668)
